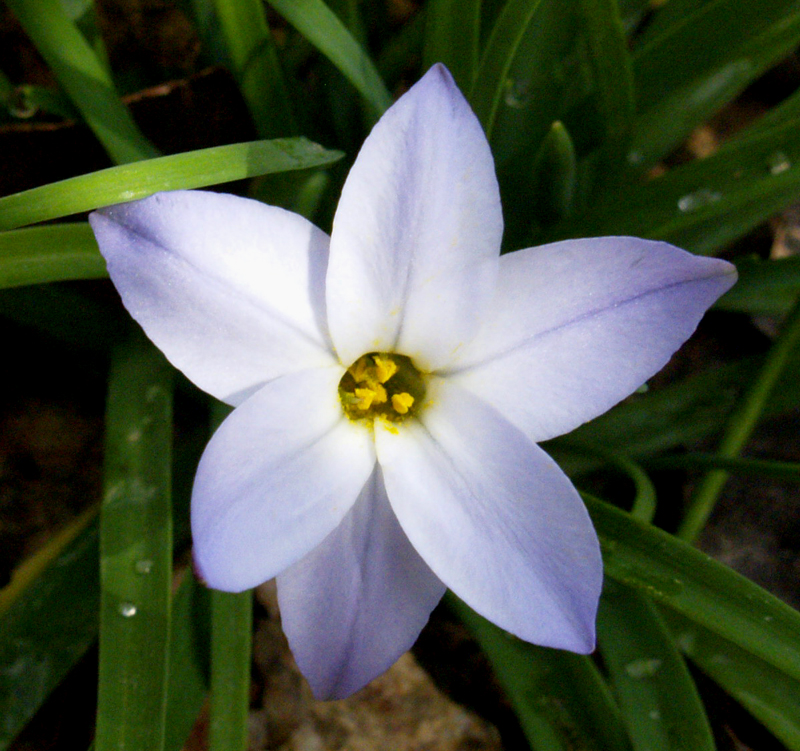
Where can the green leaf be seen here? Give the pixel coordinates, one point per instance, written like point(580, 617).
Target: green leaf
point(547, 61)
point(657, 696)
point(53, 253)
point(679, 576)
point(555, 175)
point(707, 203)
point(698, 58)
point(741, 423)
point(560, 698)
point(764, 287)
point(660, 420)
point(135, 551)
point(452, 37)
point(84, 78)
point(613, 77)
point(788, 471)
point(47, 624)
point(255, 65)
point(194, 169)
point(765, 691)
point(493, 83)
point(231, 644)
point(322, 27)
point(188, 660)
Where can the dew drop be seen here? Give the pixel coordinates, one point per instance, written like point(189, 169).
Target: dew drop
point(643, 668)
point(635, 157)
point(654, 714)
point(135, 436)
point(127, 609)
point(517, 94)
point(778, 163)
point(145, 566)
point(697, 200)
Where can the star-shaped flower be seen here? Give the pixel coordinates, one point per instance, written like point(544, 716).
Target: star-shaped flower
point(391, 383)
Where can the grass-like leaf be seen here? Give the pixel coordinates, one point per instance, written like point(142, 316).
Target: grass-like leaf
point(53, 253)
point(764, 287)
point(231, 640)
point(560, 698)
point(768, 693)
point(322, 27)
point(452, 37)
point(707, 203)
point(657, 696)
point(696, 57)
point(679, 576)
point(256, 67)
point(83, 77)
point(46, 624)
point(135, 551)
point(194, 169)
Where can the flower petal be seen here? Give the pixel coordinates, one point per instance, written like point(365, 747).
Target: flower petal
point(494, 517)
point(277, 477)
point(231, 290)
point(417, 233)
point(578, 325)
point(357, 602)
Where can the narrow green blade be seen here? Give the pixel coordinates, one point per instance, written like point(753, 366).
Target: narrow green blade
point(53, 253)
point(766, 692)
point(452, 37)
point(84, 78)
point(764, 287)
point(188, 661)
point(677, 575)
point(47, 626)
point(194, 169)
point(256, 67)
point(699, 59)
point(231, 644)
point(322, 27)
point(135, 552)
point(707, 203)
point(658, 698)
point(560, 698)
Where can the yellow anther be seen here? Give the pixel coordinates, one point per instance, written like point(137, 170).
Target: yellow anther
point(364, 397)
point(381, 385)
point(385, 368)
point(402, 402)
point(359, 370)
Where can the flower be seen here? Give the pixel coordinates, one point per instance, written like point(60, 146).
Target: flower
point(391, 383)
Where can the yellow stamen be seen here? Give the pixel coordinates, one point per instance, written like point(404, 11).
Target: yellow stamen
point(364, 397)
point(402, 402)
point(383, 385)
point(385, 368)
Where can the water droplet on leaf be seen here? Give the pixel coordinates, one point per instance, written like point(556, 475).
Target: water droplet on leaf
point(698, 199)
point(127, 609)
point(778, 163)
point(643, 668)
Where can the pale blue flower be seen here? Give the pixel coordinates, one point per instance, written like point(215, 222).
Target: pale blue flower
point(364, 490)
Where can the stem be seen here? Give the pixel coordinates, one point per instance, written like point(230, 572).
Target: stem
point(740, 426)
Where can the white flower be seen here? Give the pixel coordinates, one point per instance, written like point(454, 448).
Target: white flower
point(390, 386)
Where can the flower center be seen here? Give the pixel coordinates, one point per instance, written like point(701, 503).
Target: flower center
point(380, 384)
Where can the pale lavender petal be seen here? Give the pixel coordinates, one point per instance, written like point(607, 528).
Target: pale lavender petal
point(231, 290)
point(357, 602)
point(495, 518)
point(278, 476)
point(578, 325)
point(417, 233)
